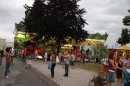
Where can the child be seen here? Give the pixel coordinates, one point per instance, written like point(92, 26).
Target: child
point(28, 56)
point(45, 56)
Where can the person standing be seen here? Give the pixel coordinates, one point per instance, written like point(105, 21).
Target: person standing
point(28, 56)
point(53, 59)
point(110, 73)
point(12, 51)
point(119, 66)
point(24, 54)
point(8, 61)
point(67, 62)
point(45, 56)
point(97, 61)
point(72, 59)
point(127, 64)
point(36, 54)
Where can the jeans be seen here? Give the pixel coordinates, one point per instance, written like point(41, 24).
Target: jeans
point(66, 69)
point(7, 69)
point(52, 69)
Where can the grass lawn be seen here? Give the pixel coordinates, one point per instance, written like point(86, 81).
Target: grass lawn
point(90, 67)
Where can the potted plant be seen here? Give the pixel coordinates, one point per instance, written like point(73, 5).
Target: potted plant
point(97, 80)
point(101, 52)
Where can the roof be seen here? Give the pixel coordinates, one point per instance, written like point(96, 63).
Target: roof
point(123, 47)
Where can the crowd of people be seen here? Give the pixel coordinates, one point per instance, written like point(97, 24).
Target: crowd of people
point(66, 59)
point(117, 64)
point(69, 60)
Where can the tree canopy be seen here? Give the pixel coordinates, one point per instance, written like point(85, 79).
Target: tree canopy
point(126, 19)
point(125, 37)
point(56, 18)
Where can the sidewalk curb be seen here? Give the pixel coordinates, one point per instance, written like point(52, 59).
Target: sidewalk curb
point(47, 76)
point(35, 70)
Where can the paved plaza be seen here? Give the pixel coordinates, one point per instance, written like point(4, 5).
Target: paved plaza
point(77, 77)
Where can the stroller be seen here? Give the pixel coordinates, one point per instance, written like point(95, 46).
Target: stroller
point(126, 78)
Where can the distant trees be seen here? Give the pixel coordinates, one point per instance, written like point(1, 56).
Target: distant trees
point(125, 35)
point(56, 19)
point(126, 19)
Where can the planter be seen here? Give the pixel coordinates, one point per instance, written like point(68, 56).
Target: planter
point(97, 84)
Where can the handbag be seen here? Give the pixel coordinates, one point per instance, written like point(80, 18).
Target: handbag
point(49, 65)
point(8, 60)
point(105, 68)
point(57, 59)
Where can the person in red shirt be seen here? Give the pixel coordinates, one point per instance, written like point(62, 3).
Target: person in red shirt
point(24, 54)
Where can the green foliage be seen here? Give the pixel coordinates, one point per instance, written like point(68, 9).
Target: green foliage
point(100, 50)
point(126, 19)
point(125, 37)
point(56, 18)
point(97, 79)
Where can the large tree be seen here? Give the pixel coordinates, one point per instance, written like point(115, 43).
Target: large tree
point(56, 18)
point(124, 39)
point(126, 19)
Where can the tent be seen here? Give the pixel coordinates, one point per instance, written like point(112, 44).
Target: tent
point(123, 47)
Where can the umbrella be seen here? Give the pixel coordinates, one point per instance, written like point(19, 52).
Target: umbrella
point(123, 47)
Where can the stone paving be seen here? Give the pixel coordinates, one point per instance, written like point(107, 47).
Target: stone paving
point(77, 77)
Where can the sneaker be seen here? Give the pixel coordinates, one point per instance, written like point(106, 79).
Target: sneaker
point(65, 76)
point(51, 77)
point(6, 77)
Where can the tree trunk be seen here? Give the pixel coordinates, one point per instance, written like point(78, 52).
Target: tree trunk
point(99, 64)
point(58, 45)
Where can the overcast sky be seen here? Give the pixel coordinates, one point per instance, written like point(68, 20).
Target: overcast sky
point(102, 16)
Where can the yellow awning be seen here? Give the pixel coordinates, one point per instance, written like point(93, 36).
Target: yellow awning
point(123, 47)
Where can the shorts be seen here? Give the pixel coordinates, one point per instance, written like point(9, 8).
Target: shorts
point(28, 61)
point(110, 76)
point(71, 63)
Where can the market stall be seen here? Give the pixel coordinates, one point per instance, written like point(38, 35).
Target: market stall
point(123, 47)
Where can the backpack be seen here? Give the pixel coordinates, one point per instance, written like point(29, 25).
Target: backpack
point(105, 66)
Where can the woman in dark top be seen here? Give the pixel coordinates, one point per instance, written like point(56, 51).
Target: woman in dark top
point(119, 67)
point(53, 59)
